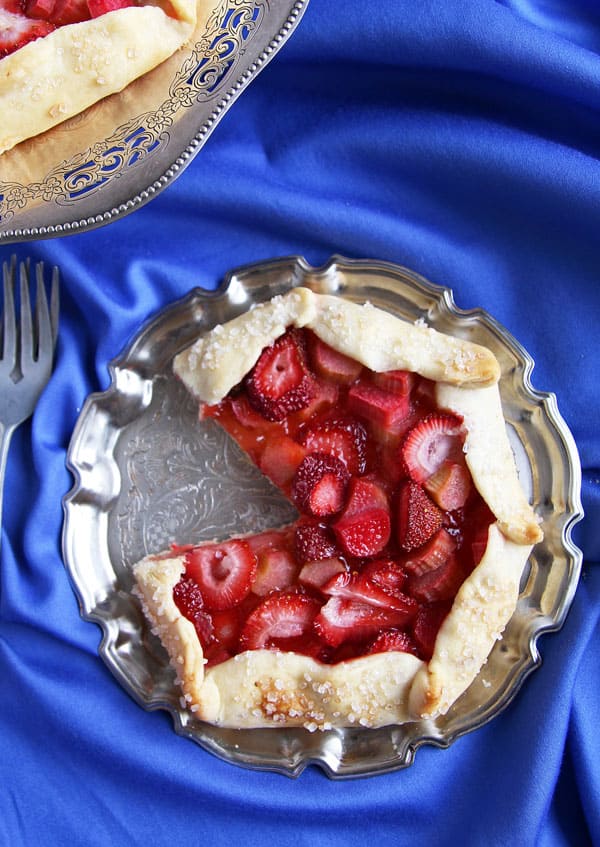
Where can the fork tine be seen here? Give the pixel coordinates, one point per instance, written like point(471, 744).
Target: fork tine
point(26, 325)
point(54, 304)
point(9, 324)
point(45, 330)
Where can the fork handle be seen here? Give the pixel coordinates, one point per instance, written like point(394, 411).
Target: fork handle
point(5, 436)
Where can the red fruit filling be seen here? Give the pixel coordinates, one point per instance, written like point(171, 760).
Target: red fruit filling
point(390, 522)
point(22, 21)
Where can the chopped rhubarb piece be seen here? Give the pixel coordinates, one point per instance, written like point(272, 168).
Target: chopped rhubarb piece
point(281, 616)
point(314, 542)
point(226, 627)
point(16, 31)
point(101, 7)
point(276, 570)
point(392, 640)
point(429, 443)
point(224, 572)
point(280, 459)
point(41, 9)
point(426, 625)
point(431, 555)
point(479, 543)
point(450, 486)
point(381, 407)
point(342, 619)
point(396, 382)
point(190, 602)
point(318, 573)
point(330, 363)
point(319, 485)
point(325, 398)
point(280, 381)
point(245, 414)
point(439, 584)
point(344, 437)
point(70, 12)
point(418, 517)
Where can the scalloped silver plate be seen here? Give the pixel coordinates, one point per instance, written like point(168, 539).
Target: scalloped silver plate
point(117, 174)
point(147, 473)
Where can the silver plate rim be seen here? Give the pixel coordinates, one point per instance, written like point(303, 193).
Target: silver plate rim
point(254, 283)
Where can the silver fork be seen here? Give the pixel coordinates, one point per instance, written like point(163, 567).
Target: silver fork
point(26, 349)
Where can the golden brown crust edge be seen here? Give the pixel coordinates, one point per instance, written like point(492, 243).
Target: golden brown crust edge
point(267, 688)
point(58, 76)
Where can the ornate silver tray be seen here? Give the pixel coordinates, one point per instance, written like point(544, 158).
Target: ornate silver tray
point(147, 474)
point(140, 153)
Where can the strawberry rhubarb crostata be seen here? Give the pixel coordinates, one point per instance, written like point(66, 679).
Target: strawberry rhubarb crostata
point(57, 57)
point(382, 602)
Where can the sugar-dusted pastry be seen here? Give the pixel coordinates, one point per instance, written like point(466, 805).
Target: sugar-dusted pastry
point(382, 602)
point(57, 57)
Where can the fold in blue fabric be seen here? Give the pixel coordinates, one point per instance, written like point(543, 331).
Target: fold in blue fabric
point(462, 140)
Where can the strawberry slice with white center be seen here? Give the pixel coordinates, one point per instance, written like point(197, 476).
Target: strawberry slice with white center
point(364, 527)
point(280, 617)
point(224, 571)
point(418, 518)
point(319, 484)
point(430, 443)
point(280, 381)
point(16, 31)
point(357, 586)
point(344, 437)
point(392, 640)
point(342, 619)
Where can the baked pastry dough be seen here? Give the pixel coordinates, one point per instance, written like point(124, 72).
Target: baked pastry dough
point(270, 688)
point(59, 75)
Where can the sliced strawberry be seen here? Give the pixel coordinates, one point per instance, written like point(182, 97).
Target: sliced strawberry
point(344, 437)
point(281, 616)
point(386, 573)
point(364, 527)
point(418, 518)
point(70, 12)
point(276, 570)
point(439, 584)
point(431, 555)
point(224, 572)
point(314, 542)
point(450, 486)
point(392, 640)
point(188, 599)
point(428, 444)
point(281, 458)
point(40, 9)
point(356, 586)
point(101, 7)
point(396, 382)
point(426, 626)
point(280, 381)
point(16, 31)
point(318, 573)
point(342, 619)
point(330, 363)
point(381, 407)
point(319, 485)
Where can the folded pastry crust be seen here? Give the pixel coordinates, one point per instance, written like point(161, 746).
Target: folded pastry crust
point(265, 688)
point(75, 66)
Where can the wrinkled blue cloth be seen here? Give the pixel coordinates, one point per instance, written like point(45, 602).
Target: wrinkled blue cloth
point(460, 139)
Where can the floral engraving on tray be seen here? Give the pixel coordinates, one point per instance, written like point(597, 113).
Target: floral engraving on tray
point(185, 481)
point(202, 76)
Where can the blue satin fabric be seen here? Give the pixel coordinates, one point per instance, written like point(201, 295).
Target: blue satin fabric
point(461, 139)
